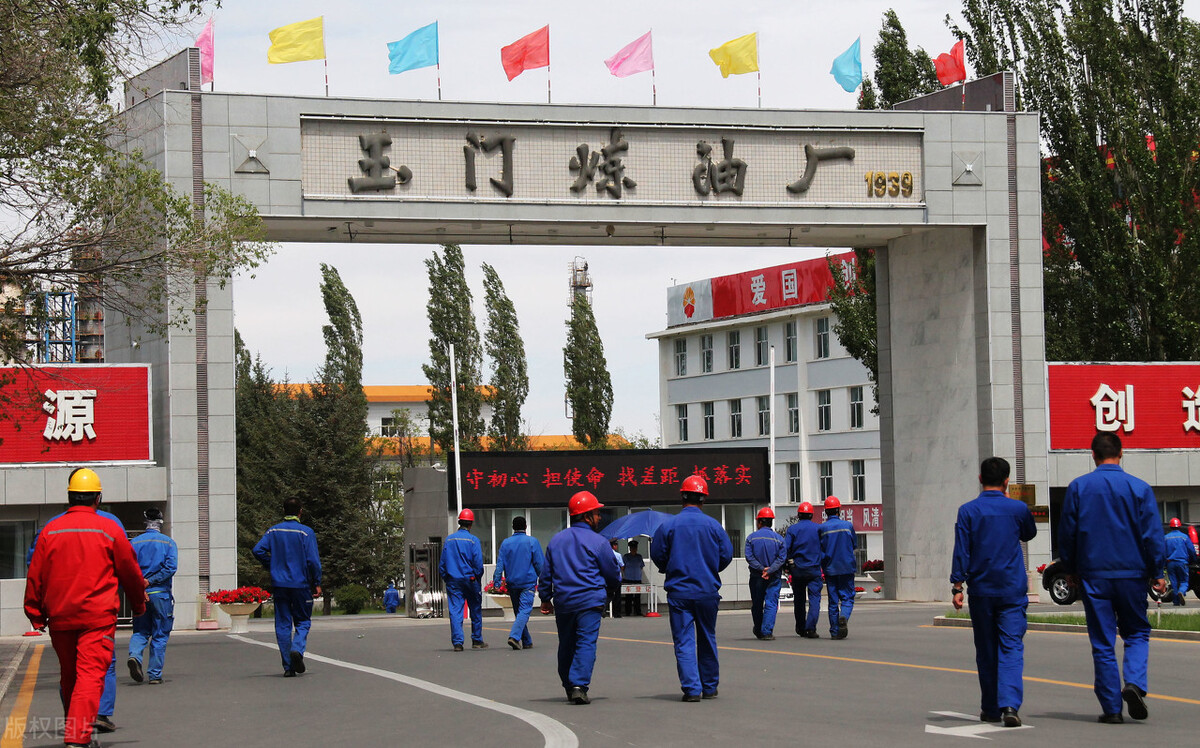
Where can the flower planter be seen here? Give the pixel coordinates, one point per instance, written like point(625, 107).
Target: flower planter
point(506, 608)
point(877, 576)
point(239, 615)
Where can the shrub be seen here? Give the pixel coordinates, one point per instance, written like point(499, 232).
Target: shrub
point(352, 598)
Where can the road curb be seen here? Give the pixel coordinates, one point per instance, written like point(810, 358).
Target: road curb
point(11, 667)
point(965, 623)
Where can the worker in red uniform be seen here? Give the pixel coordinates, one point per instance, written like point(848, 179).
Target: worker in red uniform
point(71, 587)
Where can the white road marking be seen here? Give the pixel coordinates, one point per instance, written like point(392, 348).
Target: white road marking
point(556, 734)
point(976, 729)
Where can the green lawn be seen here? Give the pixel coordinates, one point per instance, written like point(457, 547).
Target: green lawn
point(1165, 622)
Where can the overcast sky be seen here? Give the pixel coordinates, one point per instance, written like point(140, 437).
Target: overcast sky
point(279, 311)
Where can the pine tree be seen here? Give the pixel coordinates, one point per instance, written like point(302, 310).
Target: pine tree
point(452, 321)
point(510, 376)
point(900, 73)
point(589, 386)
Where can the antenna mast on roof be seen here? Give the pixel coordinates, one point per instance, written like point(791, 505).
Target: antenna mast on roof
point(580, 281)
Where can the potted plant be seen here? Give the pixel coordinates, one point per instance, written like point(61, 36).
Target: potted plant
point(874, 569)
point(499, 595)
point(239, 604)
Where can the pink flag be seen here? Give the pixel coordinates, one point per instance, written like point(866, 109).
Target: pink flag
point(205, 43)
point(635, 57)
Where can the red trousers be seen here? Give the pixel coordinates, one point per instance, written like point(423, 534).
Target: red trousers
point(83, 658)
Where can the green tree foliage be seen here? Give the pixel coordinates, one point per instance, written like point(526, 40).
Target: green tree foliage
point(589, 386)
point(510, 375)
point(452, 321)
point(900, 73)
point(852, 299)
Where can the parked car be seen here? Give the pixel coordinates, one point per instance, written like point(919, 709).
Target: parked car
point(1057, 582)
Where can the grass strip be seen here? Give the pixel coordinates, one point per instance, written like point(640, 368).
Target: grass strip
point(1160, 622)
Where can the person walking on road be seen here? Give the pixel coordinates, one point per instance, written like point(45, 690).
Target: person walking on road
point(765, 555)
point(1180, 555)
point(838, 543)
point(519, 560)
point(158, 556)
point(391, 598)
point(691, 549)
point(631, 573)
point(71, 587)
point(614, 593)
point(804, 552)
point(1110, 537)
point(988, 557)
point(289, 551)
point(579, 572)
point(462, 569)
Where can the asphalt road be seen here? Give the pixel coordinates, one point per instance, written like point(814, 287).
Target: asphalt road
point(897, 681)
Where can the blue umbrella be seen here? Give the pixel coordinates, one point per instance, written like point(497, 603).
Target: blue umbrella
point(636, 524)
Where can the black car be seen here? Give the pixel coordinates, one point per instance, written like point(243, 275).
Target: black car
point(1057, 582)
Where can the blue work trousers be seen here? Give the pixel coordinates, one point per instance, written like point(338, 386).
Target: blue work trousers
point(999, 627)
point(1115, 606)
point(154, 628)
point(293, 611)
point(764, 602)
point(108, 697)
point(806, 585)
point(1178, 574)
point(578, 632)
point(694, 629)
point(841, 600)
point(459, 591)
point(522, 604)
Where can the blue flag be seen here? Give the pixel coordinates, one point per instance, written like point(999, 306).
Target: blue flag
point(847, 67)
point(417, 50)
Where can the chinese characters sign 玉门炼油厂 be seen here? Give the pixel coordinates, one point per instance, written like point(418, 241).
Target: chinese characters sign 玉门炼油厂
point(483, 143)
point(377, 166)
point(612, 167)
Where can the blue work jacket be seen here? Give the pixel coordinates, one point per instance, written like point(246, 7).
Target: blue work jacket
point(519, 561)
point(1109, 527)
point(391, 596)
point(765, 549)
point(691, 549)
point(289, 551)
point(838, 543)
point(462, 556)
point(158, 556)
point(804, 547)
point(1179, 548)
point(987, 545)
point(579, 570)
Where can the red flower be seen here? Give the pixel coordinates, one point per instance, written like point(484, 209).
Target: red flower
point(497, 589)
point(239, 595)
point(859, 589)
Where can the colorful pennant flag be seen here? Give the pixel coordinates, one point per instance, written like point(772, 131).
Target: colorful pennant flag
point(737, 56)
point(417, 50)
point(528, 52)
point(635, 57)
point(847, 67)
point(951, 68)
point(205, 44)
point(298, 42)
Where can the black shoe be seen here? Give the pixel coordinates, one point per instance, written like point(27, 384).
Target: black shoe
point(1010, 717)
point(1111, 719)
point(811, 634)
point(691, 698)
point(985, 717)
point(479, 644)
point(514, 643)
point(578, 696)
point(135, 669)
point(527, 646)
point(297, 658)
point(457, 647)
point(289, 673)
point(709, 695)
point(103, 723)
point(156, 681)
point(1135, 700)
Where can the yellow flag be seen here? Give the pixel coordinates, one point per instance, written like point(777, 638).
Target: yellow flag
point(297, 42)
point(737, 56)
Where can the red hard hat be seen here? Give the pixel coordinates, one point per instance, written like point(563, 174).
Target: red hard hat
point(466, 515)
point(804, 508)
point(1175, 522)
point(694, 484)
point(766, 513)
point(582, 502)
point(831, 502)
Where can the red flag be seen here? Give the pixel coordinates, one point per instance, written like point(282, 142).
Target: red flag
point(526, 53)
point(950, 67)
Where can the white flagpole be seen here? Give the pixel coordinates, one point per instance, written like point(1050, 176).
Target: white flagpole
point(454, 421)
point(771, 422)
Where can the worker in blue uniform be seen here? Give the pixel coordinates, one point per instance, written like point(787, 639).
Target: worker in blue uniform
point(519, 561)
point(461, 568)
point(391, 598)
point(838, 543)
point(289, 551)
point(578, 575)
point(988, 558)
point(158, 556)
point(804, 553)
point(691, 549)
point(1180, 555)
point(1110, 537)
point(765, 555)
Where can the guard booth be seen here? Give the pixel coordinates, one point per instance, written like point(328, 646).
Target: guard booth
point(426, 596)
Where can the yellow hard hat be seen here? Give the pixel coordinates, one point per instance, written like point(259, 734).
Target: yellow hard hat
point(84, 481)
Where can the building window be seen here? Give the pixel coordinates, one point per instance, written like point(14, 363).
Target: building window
point(858, 480)
point(15, 539)
point(706, 356)
point(681, 417)
point(710, 421)
point(825, 473)
point(795, 490)
point(735, 419)
point(388, 427)
point(764, 415)
point(735, 349)
point(860, 553)
point(824, 411)
point(856, 407)
point(823, 337)
point(793, 403)
point(681, 357)
point(789, 340)
point(760, 346)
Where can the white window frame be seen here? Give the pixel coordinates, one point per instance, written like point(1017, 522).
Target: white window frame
point(681, 420)
point(735, 419)
point(710, 420)
point(857, 412)
point(824, 410)
point(821, 337)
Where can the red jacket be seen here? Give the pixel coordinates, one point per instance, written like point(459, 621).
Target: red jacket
point(73, 576)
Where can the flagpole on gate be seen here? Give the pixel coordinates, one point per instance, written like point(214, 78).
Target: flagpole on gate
point(439, 77)
point(326, 77)
point(438, 40)
point(548, 100)
point(653, 88)
point(759, 72)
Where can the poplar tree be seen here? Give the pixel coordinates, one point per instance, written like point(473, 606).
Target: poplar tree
point(510, 375)
point(589, 386)
point(900, 73)
point(452, 321)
